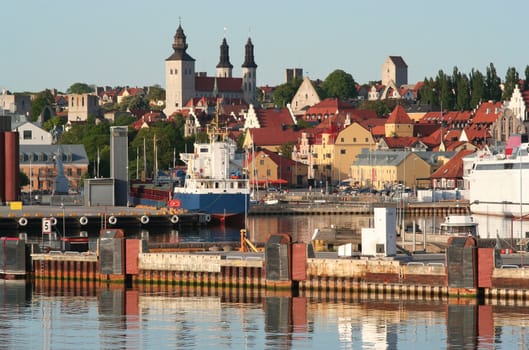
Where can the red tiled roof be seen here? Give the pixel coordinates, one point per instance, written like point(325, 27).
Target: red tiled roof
point(424, 130)
point(399, 116)
point(233, 85)
point(487, 112)
point(400, 142)
point(473, 132)
point(453, 168)
point(329, 106)
point(276, 128)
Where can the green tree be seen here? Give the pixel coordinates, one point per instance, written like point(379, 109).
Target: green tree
point(511, 80)
point(477, 88)
point(23, 179)
point(41, 100)
point(462, 87)
point(492, 84)
point(79, 88)
point(381, 107)
point(526, 80)
point(339, 84)
point(286, 149)
point(94, 137)
point(52, 123)
point(156, 93)
point(123, 119)
point(134, 103)
point(284, 93)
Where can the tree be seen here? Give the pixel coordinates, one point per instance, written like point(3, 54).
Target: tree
point(462, 87)
point(23, 179)
point(284, 93)
point(381, 108)
point(339, 84)
point(511, 80)
point(52, 123)
point(477, 88)
point(41, 100)
point(134, 103)
point(79, 88)
point(492, 84)
point(526, 80)
point(156, 93)
point(286, 149)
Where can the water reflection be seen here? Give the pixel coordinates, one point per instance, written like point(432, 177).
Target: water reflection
point(58, 316)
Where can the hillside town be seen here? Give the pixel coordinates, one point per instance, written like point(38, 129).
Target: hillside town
point(327, 144)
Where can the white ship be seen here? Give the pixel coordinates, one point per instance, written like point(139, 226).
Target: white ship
point(214, 183)
point(499, 184)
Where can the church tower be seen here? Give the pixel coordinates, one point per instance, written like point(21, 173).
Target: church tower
point(224, 68)
point(179, 75)
point(249, 69)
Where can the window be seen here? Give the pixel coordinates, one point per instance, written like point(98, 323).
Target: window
point(342, 151)
point(27, 135)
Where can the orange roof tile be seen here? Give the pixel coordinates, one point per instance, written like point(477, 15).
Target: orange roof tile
point(399, 116)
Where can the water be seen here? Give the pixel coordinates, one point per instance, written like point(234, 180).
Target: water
point(168, 319)
point(66, 315)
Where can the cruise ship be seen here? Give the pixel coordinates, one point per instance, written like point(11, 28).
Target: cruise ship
point(499, 184)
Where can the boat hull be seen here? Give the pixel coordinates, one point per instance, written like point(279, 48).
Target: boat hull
point(221, 206)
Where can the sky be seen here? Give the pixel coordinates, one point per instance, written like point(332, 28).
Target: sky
point(56, 43)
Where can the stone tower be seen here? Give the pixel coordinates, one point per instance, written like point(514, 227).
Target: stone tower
point(224, 68)
point(249, 70)
point(179, 75)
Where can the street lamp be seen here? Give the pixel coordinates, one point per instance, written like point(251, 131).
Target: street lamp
point(30, 182)
point(280, 172)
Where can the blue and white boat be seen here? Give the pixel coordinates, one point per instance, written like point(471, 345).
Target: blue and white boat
point(214, 183)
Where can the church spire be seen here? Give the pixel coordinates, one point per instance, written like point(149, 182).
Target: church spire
point(249, 61)
point(180, 46)
point(224, 68)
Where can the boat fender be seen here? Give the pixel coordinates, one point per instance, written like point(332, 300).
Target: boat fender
point(83, 220)
point(144, 219)
point(22, 221)
point(208, 218)
point(53, 221)
point(174, 219)
point(112, 220)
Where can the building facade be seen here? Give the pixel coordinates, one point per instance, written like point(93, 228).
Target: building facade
point(39, 163)
point(183, 83)
point(394, 69)
point(81, 106)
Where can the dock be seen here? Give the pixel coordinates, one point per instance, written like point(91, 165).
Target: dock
point(286, 267)
point(333, 205)
point(31, 217)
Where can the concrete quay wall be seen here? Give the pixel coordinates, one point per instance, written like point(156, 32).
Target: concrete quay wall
point(378, 276)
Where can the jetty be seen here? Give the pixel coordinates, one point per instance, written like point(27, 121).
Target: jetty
point(468, 269)
point(25, 217)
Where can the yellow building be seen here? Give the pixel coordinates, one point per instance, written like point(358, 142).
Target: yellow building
point(384, 169)
point(348, 145)
point(268, 169)
point(399, 124)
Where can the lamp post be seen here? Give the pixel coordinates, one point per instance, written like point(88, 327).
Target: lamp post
point(30, 182)
point(280, 172)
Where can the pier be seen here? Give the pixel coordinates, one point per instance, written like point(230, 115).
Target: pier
point(31, 217)
point(467, 270)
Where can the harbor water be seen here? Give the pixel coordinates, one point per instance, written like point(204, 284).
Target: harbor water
point(66, 316)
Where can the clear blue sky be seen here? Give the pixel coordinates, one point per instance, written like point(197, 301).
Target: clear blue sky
point(53, 44)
